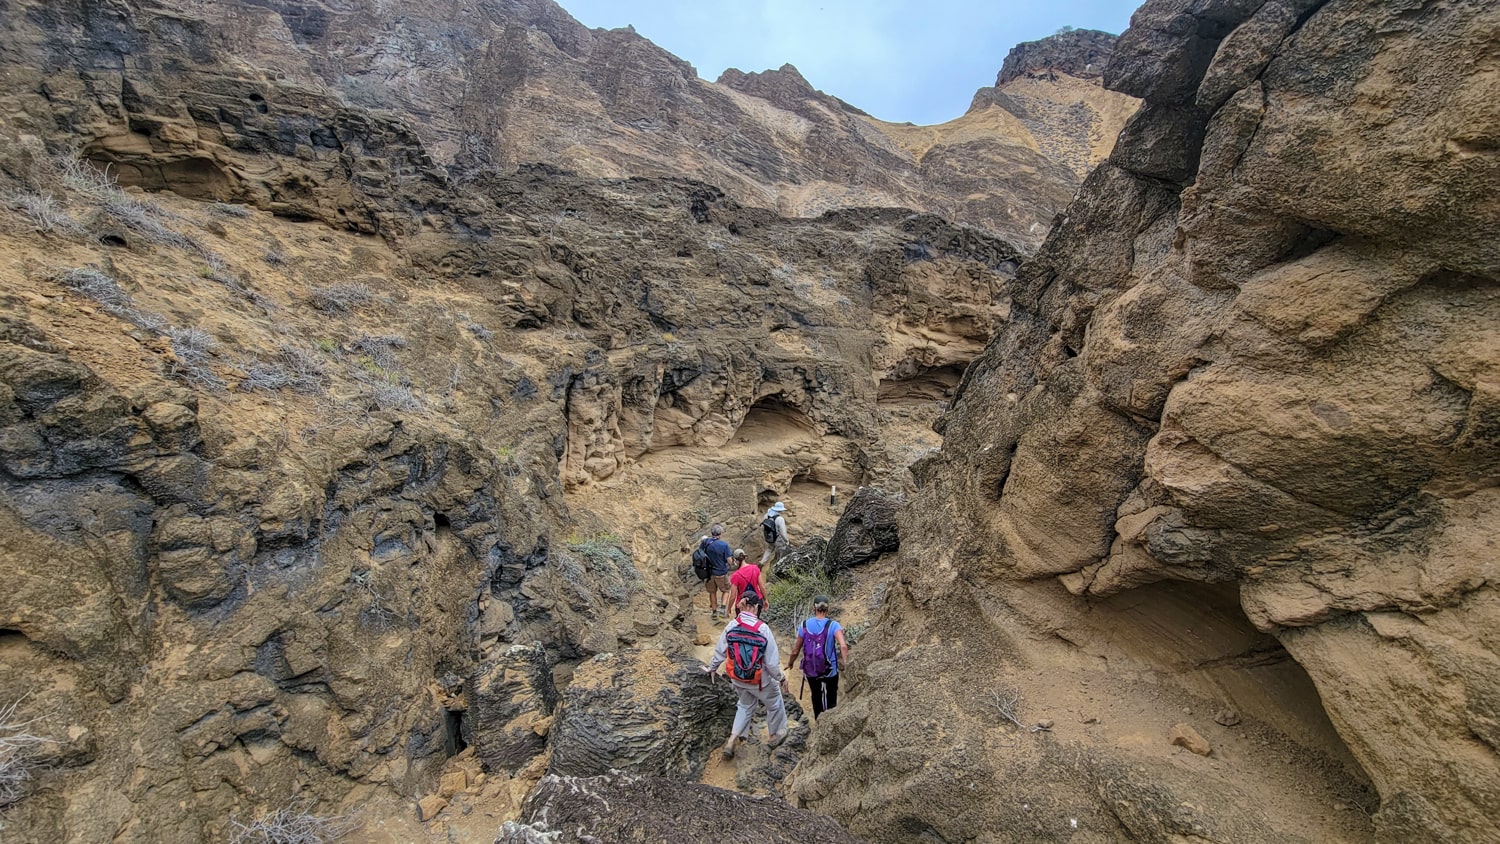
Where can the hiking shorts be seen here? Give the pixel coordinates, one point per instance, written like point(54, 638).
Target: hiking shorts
point(718, 583)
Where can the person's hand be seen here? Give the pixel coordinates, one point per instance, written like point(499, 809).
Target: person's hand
point(706, 668)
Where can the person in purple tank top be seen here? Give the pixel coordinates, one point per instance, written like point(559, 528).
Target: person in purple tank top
point(820, 642)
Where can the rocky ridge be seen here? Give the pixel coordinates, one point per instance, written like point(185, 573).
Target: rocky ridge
point(1232, 453)
point(497, 86)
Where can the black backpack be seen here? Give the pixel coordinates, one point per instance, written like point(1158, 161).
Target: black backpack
point(702, 565)
point(768, 529)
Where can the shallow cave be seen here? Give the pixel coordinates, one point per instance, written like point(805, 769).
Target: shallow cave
point(772, 422)
point(192, 178)
point(1199, 634)
point(928, 384)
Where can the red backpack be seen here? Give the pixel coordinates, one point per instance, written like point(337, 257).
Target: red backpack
point(747, 653)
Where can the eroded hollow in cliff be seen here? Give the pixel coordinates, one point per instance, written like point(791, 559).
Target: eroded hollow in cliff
point(772, 423)
point(927, 384)
point(193, 178)
point(1198, 634)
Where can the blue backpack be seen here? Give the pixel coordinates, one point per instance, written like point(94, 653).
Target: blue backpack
point(817, 650)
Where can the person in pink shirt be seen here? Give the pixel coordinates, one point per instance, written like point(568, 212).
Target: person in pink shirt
point(747, 577)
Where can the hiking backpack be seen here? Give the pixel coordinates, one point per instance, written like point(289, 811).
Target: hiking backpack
point(768, 529)
point(817, 659)
point(747, 653)
point(702, 565)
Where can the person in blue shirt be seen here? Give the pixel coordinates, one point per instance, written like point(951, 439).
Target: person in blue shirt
point(820, 642)
point(718, 573)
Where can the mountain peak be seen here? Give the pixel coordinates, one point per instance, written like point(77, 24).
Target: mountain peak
point(1075, 52)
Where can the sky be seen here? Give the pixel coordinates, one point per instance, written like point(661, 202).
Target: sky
point(899, 60)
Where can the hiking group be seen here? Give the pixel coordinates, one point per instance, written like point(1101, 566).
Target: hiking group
point(747, 646)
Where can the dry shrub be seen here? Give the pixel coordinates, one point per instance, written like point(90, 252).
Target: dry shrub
point(17, 752)
point(295, 823)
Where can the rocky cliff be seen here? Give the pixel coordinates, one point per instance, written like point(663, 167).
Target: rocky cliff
point(1054, 89)
point(1225, 481)
point(497, 85)
point(317, 500)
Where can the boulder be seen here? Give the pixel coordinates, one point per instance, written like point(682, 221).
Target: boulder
point(642, 712)
point(866, 529)
point(625, 807)
point(1184, 736)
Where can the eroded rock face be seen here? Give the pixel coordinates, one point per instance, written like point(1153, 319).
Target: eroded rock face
point(1256, 351)
point(1053, 88)
point(512, 699)
point(491, 87)
point(624, 807)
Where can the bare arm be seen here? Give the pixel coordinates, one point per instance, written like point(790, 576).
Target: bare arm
point(796, 649)
point(721, 651)
point(843, 647)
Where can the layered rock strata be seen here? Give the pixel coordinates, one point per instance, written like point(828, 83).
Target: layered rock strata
point(491, 87)
point(1245, 394)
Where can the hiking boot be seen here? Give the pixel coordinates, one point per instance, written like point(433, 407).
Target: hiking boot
point(729, 748)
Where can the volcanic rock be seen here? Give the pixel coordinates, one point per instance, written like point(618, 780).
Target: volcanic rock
point(866, 529)
point(624, 807)
point(638, 711)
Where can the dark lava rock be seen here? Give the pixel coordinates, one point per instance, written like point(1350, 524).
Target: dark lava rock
point(652, 810)
point(866, 529)
point(641, 712)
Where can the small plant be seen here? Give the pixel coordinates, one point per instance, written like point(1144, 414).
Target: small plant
point(327, 346)
point(17, 748)
point(480, 331)
point(342, 297)
point(1007, 705)
point(229, 209)
point(790, 596)
point(292, 824)
point(304, 368)
point(261, 375)
point(275, 257)
point(612, 566)
point(378, 614)
point(380, 350)
point(43, 212)
point(146, 219)
point(82, 177)
point(192, 348)
point(94, 283)
point(393, 397)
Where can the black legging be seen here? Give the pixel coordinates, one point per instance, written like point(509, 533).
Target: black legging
point(824, 686)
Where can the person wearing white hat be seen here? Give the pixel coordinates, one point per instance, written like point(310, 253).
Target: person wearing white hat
point(773, 531)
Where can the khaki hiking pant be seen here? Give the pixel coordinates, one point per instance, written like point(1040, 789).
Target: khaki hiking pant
point(750, 698)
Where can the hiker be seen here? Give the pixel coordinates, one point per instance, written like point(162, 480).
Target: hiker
point(816, 638)
point(747, 649)
point(773, 531)
point(747, 577)
point(717, 551)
